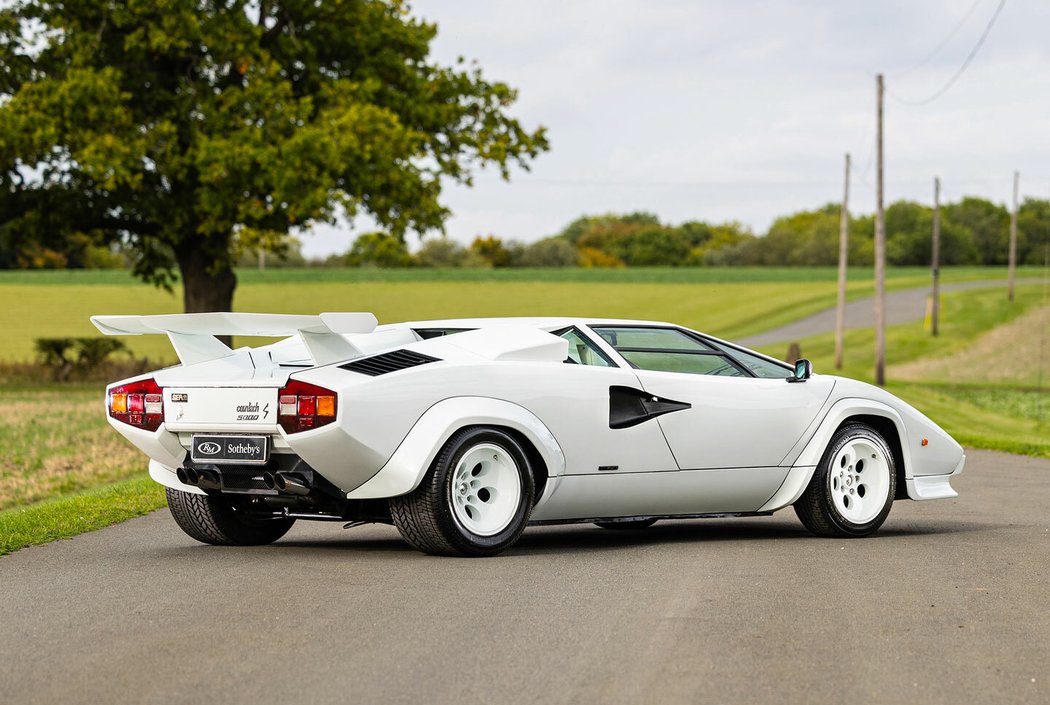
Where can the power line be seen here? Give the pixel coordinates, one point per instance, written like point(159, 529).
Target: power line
point(962, 69)
point(944, 42)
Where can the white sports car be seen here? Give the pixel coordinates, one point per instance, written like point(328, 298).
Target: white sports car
point(463, 432)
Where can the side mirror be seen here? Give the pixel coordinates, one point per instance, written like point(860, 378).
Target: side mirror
point(803, 371)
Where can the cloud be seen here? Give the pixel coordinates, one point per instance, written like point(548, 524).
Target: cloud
point(743, 110)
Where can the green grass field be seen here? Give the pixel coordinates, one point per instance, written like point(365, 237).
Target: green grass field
point(64, 471)
point(65, 516)
point(995, 402)
point(728, 302)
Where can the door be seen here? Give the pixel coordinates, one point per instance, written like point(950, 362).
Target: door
point(714, 411)
point(735, 422)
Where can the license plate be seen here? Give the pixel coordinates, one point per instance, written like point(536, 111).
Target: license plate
point(244, 450)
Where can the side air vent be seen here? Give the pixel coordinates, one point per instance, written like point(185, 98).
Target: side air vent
point(388, 362)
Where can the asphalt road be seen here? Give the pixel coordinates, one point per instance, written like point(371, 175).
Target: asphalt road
point(902, 306)
point(949, 603)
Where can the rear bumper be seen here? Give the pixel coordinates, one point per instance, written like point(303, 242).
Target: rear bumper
point(164, 475)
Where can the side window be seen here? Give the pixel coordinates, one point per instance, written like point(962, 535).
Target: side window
point(583, 351)
point(759, 366)
point(669, 350)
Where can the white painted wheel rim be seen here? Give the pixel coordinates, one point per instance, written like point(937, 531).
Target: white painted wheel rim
point(485, 489)
point(859, 481)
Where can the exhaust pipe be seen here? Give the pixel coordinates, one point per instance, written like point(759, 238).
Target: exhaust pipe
point(187, 476)
point(291, 483)
point(207, 479)
point(269, 480)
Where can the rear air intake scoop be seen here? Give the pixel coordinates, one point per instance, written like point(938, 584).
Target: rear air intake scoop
point(630, 407)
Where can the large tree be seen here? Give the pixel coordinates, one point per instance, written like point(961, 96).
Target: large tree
point(178, 126)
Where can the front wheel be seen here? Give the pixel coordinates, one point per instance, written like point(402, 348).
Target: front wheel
point(852, 489)
point(474, 501)
point(214, 519)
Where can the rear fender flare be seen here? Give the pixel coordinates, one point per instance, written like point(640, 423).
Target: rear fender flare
point(803, 468)
point(404, 470)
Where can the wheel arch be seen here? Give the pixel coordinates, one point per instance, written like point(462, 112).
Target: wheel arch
point(882, 417)
point(540, 471)
point(888, 430)
point(405, 469)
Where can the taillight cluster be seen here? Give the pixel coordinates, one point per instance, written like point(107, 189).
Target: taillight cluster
point(302, 406)
point(139, 404)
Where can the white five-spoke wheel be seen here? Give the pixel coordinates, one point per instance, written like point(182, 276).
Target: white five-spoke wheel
point(859, 481)
point(475, 499)
point(852, 489)
point(485, 489)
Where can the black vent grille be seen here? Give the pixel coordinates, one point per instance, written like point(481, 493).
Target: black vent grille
point(242, 478)
point(388, 362)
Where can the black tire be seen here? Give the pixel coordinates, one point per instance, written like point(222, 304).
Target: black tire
point(426, 518)
point(626, 525)
point(816, 508)
point(212, 519)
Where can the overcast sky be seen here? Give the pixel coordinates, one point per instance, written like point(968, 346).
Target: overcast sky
point(743, 110)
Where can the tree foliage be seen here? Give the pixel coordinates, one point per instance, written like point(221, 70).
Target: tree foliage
point(379, 249)
point(492, 250)
point(174, 126)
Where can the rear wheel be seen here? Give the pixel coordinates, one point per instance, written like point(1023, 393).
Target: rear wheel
point(213, 519)
point(474, 501)
point(852, 489)
point(626, 524)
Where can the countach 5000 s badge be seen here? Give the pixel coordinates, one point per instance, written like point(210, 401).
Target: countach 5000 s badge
point(252, 412)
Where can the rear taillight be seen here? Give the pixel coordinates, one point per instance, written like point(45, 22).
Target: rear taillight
point(303, 406)
point(139, 404)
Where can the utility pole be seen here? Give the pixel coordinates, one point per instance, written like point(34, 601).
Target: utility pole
point(935, 259)
point(1012, 269)
point(840, 313)
point(880, 246)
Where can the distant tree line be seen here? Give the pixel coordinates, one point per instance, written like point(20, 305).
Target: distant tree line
point(974, 231)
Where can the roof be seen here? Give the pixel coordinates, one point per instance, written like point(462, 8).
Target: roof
point(542, 322)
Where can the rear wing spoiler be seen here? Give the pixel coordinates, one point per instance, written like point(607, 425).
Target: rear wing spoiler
point(193, 334)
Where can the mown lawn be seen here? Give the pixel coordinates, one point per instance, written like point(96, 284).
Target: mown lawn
point(995, 403)
point(56, 441)
point(63, 470)
point(69, 515)
point(1006, 421)
point(729, 302)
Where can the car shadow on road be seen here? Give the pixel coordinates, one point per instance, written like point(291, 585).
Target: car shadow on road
point(575, 537)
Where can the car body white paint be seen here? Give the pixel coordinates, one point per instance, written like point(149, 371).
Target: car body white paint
point(744, 444)
point(406, 467)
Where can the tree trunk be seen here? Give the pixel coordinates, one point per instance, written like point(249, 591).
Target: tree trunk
point(208, 281)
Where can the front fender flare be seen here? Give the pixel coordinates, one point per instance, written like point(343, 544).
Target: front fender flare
point(806, 464)
point(404, 470)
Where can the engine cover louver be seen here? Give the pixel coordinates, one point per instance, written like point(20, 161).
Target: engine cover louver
point(388, 362)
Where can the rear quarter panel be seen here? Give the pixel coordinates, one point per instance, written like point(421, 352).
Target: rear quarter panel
point(377, 413)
